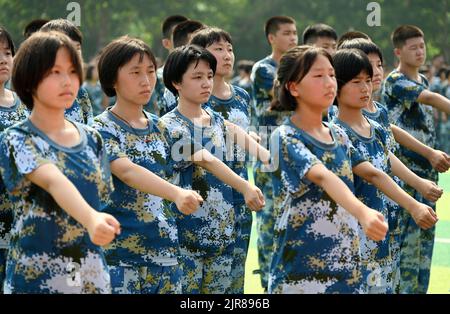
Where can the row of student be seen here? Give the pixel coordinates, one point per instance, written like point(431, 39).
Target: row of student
point(281, 33)
point(48, 158)
point(358, 151)
point(225, 41)
point(409, 104)
point(149, 263)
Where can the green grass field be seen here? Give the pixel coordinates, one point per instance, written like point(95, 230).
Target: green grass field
point(440, 269)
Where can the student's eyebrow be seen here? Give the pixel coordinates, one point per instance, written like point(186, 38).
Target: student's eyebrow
point(57, 67)
point(317, 69)
point(137, 67)
point(220, 43)
point(201, 72)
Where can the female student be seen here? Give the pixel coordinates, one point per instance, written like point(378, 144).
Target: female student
point(196, 135)
point(11, 111)
point(440, 161)
point(317, 243)
point(354, 76)
point(57, 177)
point(232, 103)
point(143, 259)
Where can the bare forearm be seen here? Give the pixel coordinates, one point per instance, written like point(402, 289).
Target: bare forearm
point(146, 181)
point(223, 173)
point(436, 100)
point(341, 194)
point(441, 103)
point(401, 171)
point(246, 142)
point(69, 199)
point(384, 183)
point(407, 140)
point(255, 149)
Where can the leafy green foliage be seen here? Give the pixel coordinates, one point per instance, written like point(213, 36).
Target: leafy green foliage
point(103, 20)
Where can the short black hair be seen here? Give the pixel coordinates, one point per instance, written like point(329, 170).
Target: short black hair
point(245, 65)
point(441, 71)
point(404, 32)
point(352, 35)
point(35, 58)
point(424, 69)
point(273, 24)
point(312, 32)
point(181, 32)
point(6, 37)
point(348, 63)
point(169, 23)
point(207, 36)
point(179, 61)
point(294, 66)
point(365, 45)
point(66, 27)
point(34, 26)
point(115, 55)
point(90, 71)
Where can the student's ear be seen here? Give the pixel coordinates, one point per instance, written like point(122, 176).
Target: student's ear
point(397, 52)
point(271, 38)
point(176, 85)
point(166, 43)
point(292, 87)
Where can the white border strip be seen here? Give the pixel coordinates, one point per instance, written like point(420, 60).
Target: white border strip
point(442, 240)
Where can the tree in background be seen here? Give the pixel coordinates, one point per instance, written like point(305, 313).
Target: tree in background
point(102, 20)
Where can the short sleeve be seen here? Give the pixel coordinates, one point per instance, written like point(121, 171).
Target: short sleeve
point(112, 146)
point(355, 156)
point(383, 134)
point(406, 91)
point(384, 116)
point(245, 95)
point(110, 138)
point(294, 159)
point(103, 157)
point(263, 78)
point(181, 143)
point(21, 154)
point(170, 100)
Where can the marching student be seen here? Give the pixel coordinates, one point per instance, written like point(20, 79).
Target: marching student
point(197, 139)
point(12, 110)
point(232, 103)
point(81, 110)
point(316, 245)
point(410, 106)
point(143, 258)
point(372, 140)
point(57, 176)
